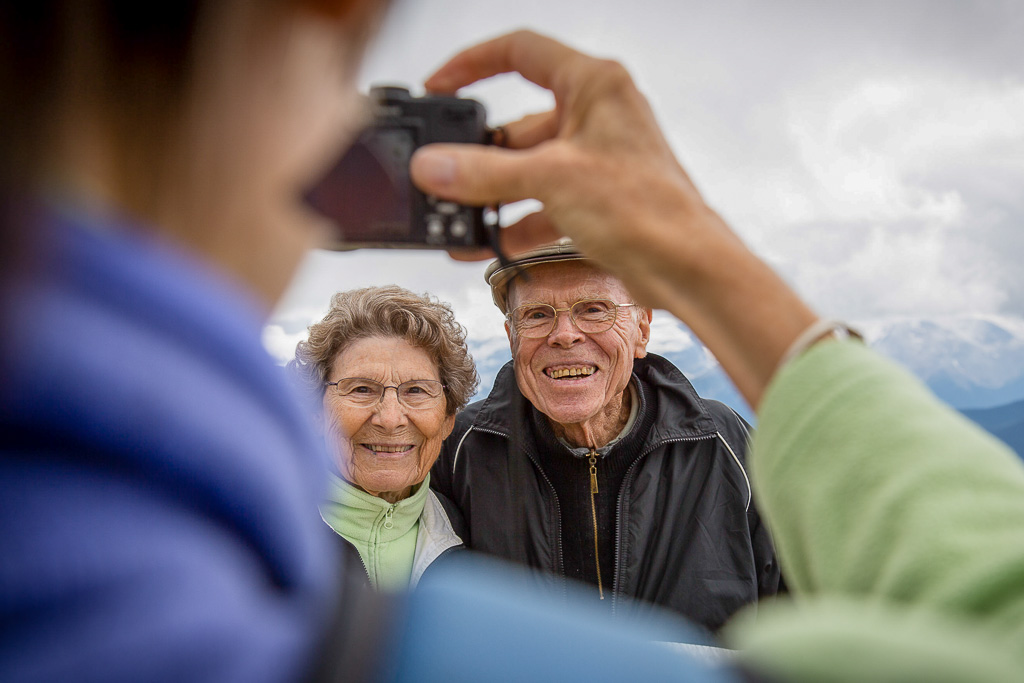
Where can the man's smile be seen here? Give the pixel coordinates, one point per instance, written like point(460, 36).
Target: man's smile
point(570, 371)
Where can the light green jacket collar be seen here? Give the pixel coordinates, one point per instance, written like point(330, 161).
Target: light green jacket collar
point(384, 534)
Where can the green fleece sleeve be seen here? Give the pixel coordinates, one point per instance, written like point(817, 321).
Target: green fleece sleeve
point(873, 486)
point(896, 520)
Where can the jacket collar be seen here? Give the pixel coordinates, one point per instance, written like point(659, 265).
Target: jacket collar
point(435, 537)
point(679, 412)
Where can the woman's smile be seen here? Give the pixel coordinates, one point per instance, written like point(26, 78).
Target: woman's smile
point(386, 450)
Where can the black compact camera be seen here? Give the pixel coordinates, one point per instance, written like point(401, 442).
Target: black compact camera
point(369, 194)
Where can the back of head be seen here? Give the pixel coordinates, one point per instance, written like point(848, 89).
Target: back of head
point(57, 55)
point(102, 99)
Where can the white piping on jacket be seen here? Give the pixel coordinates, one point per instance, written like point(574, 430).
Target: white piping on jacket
point(750, 494)
point(458, 449)
point(743, 471)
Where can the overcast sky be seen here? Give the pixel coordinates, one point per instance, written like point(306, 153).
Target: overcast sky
point(873, 152)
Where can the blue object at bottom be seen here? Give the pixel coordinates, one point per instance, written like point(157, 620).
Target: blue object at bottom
point(472, 620)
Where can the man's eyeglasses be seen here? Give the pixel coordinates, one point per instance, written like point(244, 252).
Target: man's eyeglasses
point(591, 316)
point(363, 393)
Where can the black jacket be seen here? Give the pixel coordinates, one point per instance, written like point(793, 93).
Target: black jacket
point(686, 534)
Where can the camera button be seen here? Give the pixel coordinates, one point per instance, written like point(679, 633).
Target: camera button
point(459, 228)
point(435, 226)
point(447, 208)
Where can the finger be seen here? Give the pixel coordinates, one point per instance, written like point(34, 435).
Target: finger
point(537, 58)
point(479, 254)
point(530, 232)
point(531, 130)
point(478, 175)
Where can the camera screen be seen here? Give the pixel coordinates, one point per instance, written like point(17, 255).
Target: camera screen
point(368, 192)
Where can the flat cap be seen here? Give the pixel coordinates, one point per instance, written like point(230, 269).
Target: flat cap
point(499, 276)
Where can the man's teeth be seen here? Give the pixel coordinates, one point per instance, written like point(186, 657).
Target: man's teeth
point(388, 449)
point(572, 372)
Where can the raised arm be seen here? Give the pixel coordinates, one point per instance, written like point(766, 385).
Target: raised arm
point(899, 523)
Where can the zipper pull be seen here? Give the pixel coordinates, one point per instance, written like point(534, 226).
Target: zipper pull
point(593, 511)
point(593, 472)
point(388, 524)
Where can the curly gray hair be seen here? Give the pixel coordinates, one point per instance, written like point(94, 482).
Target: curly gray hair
point(391, 311)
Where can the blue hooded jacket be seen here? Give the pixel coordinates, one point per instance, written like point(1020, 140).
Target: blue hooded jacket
point(158, 478)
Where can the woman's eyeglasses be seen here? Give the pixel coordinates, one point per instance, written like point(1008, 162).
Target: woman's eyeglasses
point(414, 394)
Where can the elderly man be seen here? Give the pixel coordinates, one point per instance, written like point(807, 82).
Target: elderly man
point(596, 461)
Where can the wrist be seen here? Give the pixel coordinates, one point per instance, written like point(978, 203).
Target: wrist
point(820, 330)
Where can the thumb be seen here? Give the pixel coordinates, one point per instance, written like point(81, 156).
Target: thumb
point(474, 174)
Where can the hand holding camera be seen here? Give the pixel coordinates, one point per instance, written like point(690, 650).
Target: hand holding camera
point(598, 161)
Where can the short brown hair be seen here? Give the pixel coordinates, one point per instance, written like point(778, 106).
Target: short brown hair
point(422, 320)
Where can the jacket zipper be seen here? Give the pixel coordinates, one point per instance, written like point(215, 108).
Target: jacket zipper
point(592, 460)
point(617, 577)
point(387, 524)
point(554, 496)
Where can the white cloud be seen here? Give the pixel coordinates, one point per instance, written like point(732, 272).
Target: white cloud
point(868, 149)
point(986, 351)
point(280, 344)
point(883, 168)
point(667, 336)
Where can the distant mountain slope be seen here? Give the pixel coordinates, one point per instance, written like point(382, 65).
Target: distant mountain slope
point(1005, 422)
point(968, 361)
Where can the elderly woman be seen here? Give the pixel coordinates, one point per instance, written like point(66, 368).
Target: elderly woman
point(392, 369)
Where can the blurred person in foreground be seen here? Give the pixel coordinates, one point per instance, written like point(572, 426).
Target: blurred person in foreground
point(595, 460)
point(157, 468)
point(899, 523)
point(159, 476)
point(383, 443)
